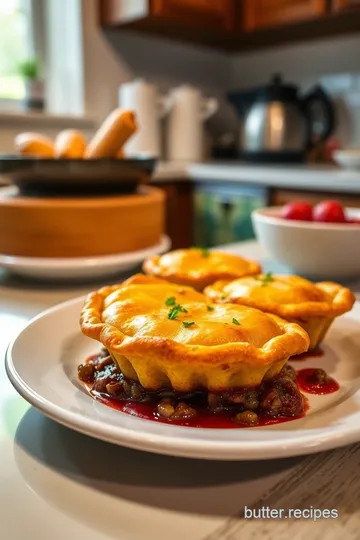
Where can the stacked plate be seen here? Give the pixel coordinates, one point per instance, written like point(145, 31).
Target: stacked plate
point(80, 267)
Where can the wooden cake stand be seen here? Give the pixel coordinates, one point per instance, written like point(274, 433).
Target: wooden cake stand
point(80, 226)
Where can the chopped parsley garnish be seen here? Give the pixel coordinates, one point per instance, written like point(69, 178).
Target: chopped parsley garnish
point(205, 252)
point(265, 280)
point(209, 308)
point(223, 297)
point(171, 301)
point(174, 311)
point(235, 321)
point(188, 324)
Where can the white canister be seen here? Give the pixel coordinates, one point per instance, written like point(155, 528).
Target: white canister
point(143, 98)
point(185, 136)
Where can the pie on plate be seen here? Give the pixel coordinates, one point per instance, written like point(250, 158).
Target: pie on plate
point(50, 382)
point(159, 337)
point(313, 306)
point(163, 334)
point(198, 267)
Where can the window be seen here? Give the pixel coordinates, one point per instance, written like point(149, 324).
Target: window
point(19, 42)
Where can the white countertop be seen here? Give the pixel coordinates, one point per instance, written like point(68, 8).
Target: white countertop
point(58, 484)
point(304, 177)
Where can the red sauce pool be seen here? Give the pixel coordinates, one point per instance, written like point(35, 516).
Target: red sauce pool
point(204, 419)
point(315, 353)
point(306, 383)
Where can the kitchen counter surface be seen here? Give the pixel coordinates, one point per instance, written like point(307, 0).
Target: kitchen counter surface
point(304, 177)
point(59, 484)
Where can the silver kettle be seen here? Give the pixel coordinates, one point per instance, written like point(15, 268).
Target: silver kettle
point(280, 126)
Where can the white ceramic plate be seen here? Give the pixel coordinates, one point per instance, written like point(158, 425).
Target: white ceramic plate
point(80, 267)
point(42, 365)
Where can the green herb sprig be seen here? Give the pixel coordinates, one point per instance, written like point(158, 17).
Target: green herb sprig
point(235, 321)
point(175, 311)
point(205, 252)
point(188, 324)
point(265, 280)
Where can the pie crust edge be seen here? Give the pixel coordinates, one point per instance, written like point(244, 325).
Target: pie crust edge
point(157, 362)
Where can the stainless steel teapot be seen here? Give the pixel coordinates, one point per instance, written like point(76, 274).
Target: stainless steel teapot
point(280, 126)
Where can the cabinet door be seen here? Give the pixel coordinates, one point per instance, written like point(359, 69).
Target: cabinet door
point(224, 218)
point(201, 13)
point(259, 14)
point(340, 5)
point(179, 212)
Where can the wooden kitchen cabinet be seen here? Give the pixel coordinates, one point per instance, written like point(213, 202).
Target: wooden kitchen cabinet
point(202, 14)
point(233, 25)
point(261, 14)
point(209, 13)
point(342, 5)
point(179, 224)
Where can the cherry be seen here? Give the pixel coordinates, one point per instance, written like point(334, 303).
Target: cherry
point(301, 211)
point(329, 212)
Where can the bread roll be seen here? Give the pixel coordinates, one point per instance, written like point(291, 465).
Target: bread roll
point(70, 144)
point(34, 144)
point(120, 154)
point(112, 135)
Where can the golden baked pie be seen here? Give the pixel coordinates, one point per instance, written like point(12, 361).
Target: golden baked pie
point(198, 267)
point(166, 335)
point(314, 306)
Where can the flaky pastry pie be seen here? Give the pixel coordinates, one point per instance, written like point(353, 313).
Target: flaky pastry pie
point(313, 306)
point(170, 336)
point(198, 267)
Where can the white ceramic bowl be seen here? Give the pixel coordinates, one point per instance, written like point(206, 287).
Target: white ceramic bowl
point(349, 159)
point(319, 250)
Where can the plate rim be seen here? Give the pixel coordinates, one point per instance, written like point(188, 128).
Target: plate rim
point(299, 444)
point(10, 261)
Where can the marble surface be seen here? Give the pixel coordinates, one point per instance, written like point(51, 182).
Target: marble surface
point(56, 483)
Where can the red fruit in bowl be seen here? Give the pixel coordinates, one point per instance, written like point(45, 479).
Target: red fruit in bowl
point(329, 212)
point(301, 211)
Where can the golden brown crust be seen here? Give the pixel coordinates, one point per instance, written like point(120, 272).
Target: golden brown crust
point(199, 268)
point(332, 299)
point(70, 144)
point(113, 133)
point(131, 321)
point(34, 144)
point(313, 306)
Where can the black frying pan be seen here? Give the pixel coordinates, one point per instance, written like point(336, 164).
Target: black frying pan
point(76, 176)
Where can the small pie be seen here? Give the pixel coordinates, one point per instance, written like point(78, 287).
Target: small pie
point(198, 267)
point(170, 336)
point(313, 306)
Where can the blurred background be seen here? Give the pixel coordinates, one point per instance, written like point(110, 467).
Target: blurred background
point(243, 103)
